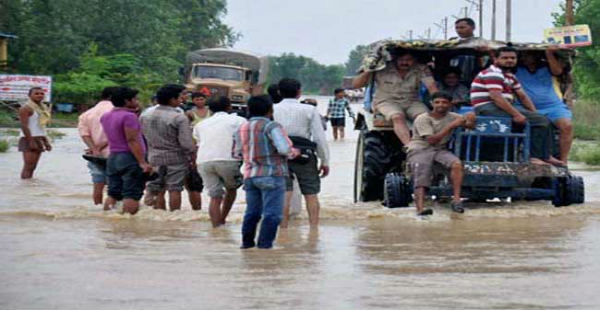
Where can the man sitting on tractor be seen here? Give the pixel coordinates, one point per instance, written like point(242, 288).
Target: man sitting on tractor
point(492, 94)
point(431, 133)
point(397, 91)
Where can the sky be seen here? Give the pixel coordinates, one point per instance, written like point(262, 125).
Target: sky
point(327, 30)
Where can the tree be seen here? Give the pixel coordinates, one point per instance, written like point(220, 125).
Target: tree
point(314, 77)
point(355, 59)
point(54, 34)
point(88, 44)
point(587, 63)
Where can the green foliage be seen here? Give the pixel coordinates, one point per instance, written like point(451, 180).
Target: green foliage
point(7, 118)
point(355, 59)
point(109, 40)
point(585, 120)
point(588, 153)
point(89, 44)
point(587, 62)
point(83, 84)
point(4, 146)
point(10, 132)
point(315, 77)
point(61, 120)
point(55, 134)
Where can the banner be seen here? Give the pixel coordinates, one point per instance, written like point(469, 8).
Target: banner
point(569, 36)
point(16, 87)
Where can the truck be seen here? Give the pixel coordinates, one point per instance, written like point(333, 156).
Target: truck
point(235, 74)
point(495, 155)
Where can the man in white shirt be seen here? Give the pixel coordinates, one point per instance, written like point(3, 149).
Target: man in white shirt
point(303, 121)
point(219, 170)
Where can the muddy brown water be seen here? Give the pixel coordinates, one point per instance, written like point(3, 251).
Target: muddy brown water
point(58, 251)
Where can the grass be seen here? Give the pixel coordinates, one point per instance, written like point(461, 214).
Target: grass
point(10, 132)
point(587, 152)
point(55, 134)
point(64, 120)
point(585, 120)
point(7, 119)
point(4, 146)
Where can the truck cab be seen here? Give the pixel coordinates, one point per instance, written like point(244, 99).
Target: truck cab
point(223, 72)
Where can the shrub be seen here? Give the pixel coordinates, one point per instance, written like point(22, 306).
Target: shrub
point(4, 145)
point(588, 153)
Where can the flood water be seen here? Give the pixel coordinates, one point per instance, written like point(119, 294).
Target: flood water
point(59, 251)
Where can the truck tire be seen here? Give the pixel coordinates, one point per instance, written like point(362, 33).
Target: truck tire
point(574, 189)
point(397, 192)
point(370, 166)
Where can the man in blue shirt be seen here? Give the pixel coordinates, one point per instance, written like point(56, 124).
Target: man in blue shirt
point(539, 81)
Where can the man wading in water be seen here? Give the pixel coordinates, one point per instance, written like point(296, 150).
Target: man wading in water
point(34, 117)
point(302, 123)
point(92, 134)
point(126, 163)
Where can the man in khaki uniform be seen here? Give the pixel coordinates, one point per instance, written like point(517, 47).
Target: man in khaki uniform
point(397, 91)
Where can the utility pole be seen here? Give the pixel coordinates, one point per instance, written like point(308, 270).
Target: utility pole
point(493, 20)
point(427, 35)
point(444, 26)
point(569, 16)
point(410, 35)
point(480, 18)
point(508, 20)
point(479, 4)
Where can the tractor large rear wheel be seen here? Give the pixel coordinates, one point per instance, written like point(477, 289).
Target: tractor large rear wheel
point(371, 164)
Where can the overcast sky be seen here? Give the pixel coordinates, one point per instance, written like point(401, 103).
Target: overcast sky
point(327, 30)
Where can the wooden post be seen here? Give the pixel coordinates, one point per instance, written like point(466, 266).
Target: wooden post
point(480, 18)
point(569, 16)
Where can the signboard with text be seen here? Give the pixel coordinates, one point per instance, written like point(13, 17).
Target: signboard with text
point(15, 87)
point(569, 36)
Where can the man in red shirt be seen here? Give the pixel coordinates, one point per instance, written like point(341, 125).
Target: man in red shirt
point(492, 94)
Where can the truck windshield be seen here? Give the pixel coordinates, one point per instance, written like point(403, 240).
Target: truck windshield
point(223, 73)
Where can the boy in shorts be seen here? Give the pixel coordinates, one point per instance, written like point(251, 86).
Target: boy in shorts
point(126, 163)
point(431, 133)
point(336, 113)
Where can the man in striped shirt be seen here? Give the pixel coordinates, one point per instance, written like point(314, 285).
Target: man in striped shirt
point(492, 94)
point(265, 148)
